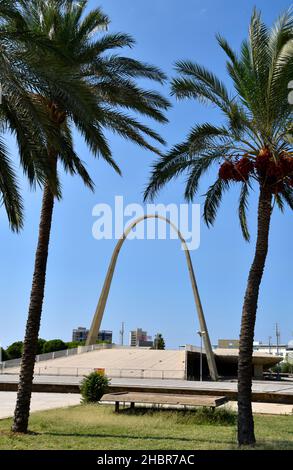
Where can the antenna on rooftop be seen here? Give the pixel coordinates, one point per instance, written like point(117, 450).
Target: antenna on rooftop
point(270, 345)
point(278, 336)
point(122, 334)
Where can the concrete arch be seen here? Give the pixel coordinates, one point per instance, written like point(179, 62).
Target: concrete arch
point(98, 316)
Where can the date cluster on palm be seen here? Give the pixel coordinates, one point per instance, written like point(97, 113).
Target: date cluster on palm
point(275, 172)
point(56, 114)
point(236, 170)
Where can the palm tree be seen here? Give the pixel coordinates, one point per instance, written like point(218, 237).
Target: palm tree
point(252, 149)
point(9, 192)
point(92, 94)
point(19, 115)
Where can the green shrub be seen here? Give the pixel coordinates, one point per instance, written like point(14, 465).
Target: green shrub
point(286, 367)
point(93, 387)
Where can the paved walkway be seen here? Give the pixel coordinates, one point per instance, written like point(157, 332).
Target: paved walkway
point(265, 408)
point(258, 386)
point(40, 401)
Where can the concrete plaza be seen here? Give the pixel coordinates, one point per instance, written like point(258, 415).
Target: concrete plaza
point(258, 386)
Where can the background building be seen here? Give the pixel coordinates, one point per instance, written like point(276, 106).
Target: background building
point(80, 334)
point(284, 351)
point(105, 335)
point(228, 343)
point(140, 338)
point(276, 350)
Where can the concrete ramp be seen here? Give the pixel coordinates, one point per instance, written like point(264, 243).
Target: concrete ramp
point(124, 363)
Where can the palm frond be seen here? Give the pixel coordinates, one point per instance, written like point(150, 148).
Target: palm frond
point(242, 211)
point(287, 195)
point(213, 198)
point(204, 145)
point(204, 76)
point(9, 191)
point(279, 201)
point(200, 165)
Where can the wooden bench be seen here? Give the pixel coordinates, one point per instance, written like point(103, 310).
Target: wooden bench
point(163, 399)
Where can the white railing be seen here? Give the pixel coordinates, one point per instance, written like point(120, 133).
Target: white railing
point(57, 354)
point(111, 373)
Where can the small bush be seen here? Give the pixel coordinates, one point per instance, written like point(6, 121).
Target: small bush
point(93, 387)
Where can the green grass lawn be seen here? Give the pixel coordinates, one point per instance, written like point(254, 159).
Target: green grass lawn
point(98, 427)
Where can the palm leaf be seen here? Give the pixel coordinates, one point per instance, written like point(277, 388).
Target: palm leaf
point(213, 199)
point(9, 191)
point(243, 206)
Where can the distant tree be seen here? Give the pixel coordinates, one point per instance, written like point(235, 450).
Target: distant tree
point(14, 351)
point(3, 355)
point(286, 367)
point(74, 344)
point(159, 342)
point(41, 344)
point(54, 345)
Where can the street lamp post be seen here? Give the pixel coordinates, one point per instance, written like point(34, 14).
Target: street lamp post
point(200, 333)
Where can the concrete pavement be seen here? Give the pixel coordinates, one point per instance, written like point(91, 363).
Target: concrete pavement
point(264, 408)
point(258, 386)
point(40, 401)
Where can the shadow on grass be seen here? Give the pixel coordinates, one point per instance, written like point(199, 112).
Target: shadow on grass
point(116, 436)
point(274, 445)
point(229, 444)
point(136, 437)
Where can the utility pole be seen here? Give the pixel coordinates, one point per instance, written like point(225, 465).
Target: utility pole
point(278, 335)
point(122, 334)
point(270, 350)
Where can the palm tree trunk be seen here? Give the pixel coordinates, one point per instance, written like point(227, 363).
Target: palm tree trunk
point(22, 410)
point(245, 417)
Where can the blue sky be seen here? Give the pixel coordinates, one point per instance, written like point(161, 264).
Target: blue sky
point(151, 287)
